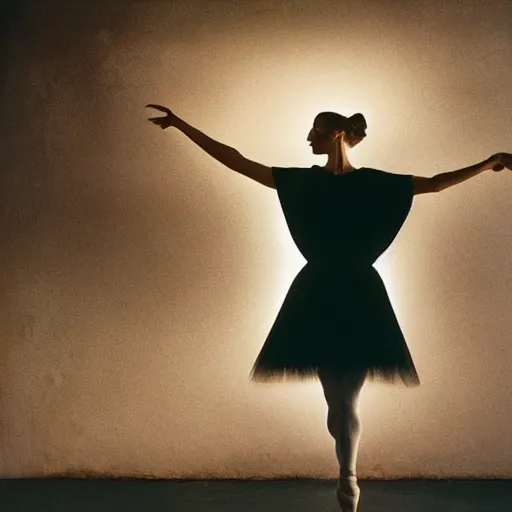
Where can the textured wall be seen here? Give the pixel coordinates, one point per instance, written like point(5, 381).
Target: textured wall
point(139, 277)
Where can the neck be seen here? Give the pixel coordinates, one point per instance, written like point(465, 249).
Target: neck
point(337, 161)
point(336, 169)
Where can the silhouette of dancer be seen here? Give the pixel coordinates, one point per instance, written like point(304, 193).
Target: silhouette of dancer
point(336, 321)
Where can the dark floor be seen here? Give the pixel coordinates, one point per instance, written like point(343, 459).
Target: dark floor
point(52, 495)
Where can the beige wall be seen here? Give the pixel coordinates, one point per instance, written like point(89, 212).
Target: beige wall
point(139, 277)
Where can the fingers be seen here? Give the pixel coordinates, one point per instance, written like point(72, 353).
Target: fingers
point(159, 121)
point(159, 107)
point(504, 161)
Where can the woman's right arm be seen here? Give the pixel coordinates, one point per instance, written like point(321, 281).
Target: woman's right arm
point(226, 155)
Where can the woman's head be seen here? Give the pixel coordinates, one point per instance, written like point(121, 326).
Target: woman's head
point(328, 127)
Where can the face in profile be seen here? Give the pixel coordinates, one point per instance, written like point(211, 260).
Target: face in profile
point(321, 137)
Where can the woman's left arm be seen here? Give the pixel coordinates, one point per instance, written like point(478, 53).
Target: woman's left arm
point(496, 162)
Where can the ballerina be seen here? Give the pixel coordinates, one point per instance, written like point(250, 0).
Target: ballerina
point(336, 322)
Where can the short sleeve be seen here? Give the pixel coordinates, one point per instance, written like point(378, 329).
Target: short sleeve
point(298, 189)
point(393, 185)
point(291, 178)
point(387, 205)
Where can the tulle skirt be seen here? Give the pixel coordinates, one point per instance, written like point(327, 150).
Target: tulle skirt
point(339, 318)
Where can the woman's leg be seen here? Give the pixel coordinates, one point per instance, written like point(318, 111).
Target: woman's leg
point(343, 423)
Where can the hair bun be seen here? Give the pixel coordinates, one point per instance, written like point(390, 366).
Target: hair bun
point(358, 124)
point(356, 130)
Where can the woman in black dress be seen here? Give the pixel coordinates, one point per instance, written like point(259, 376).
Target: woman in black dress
point(336, 322)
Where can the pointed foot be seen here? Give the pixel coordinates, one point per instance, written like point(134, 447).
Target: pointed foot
point(347, 494)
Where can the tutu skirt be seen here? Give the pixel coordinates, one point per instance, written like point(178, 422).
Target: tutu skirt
point(339, 318)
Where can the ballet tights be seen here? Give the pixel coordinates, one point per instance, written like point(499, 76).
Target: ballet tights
point(343, 423)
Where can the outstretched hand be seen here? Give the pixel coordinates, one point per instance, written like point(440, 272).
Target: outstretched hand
point(162, 121)
point(501, 161)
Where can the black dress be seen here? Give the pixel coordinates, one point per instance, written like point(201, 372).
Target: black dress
point(337, 314)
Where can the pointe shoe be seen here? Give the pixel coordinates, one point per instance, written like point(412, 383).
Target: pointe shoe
point(348, 493)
